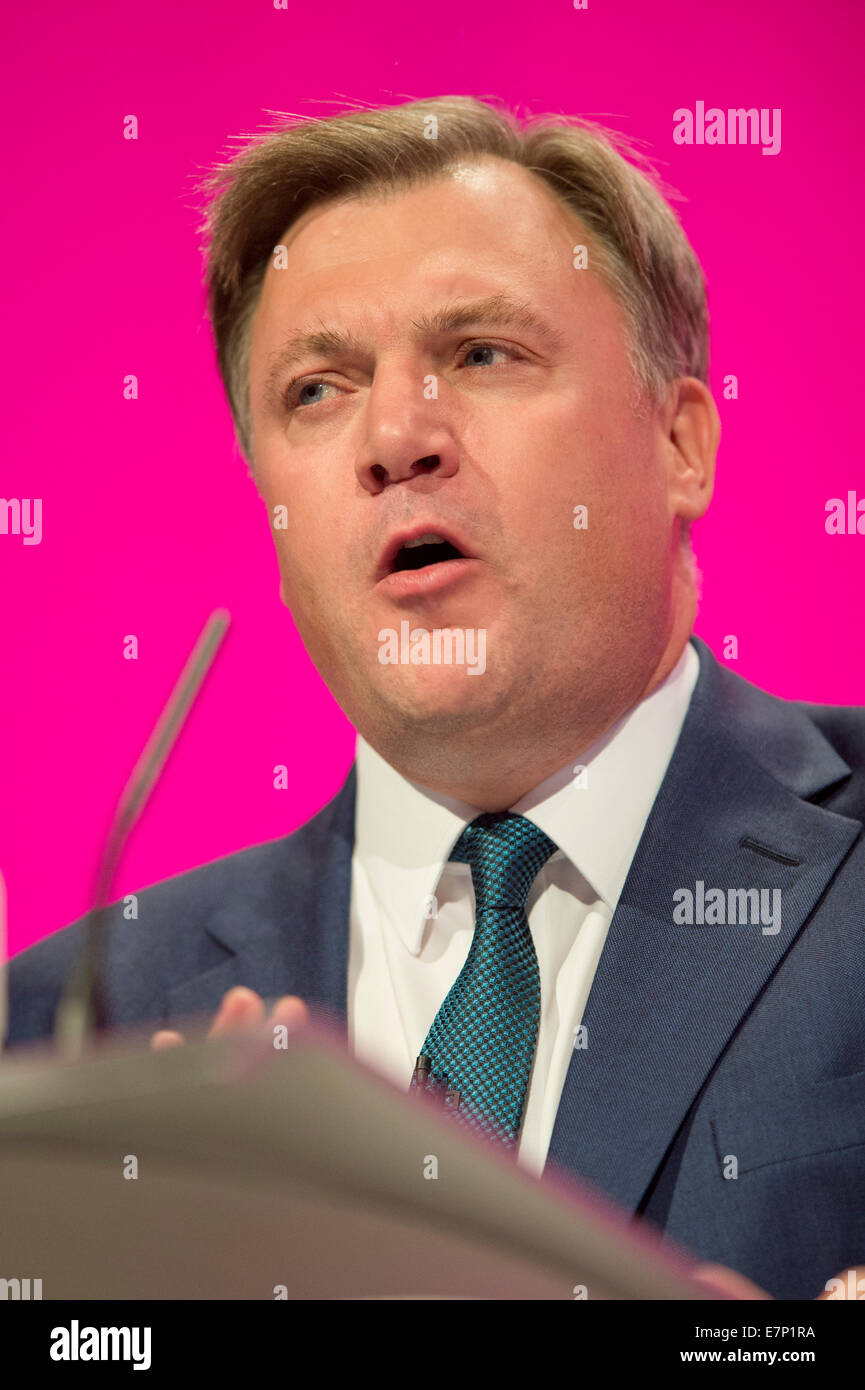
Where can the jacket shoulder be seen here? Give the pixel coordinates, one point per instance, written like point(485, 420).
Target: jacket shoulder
point(168, 936)
point(843, 726)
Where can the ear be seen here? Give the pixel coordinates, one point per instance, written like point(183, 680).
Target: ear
point(693, 430)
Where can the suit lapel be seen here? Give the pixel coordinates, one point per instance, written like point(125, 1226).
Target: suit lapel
point(666, 998)
point(286, 927)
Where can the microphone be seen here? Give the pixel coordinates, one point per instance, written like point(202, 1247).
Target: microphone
point(4, 973)
point(81, 1008)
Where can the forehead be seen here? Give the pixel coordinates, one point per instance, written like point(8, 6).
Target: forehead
point(485, 227)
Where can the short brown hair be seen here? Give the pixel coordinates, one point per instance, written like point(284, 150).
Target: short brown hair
point(639, 246)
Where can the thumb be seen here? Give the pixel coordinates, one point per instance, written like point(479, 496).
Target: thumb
point(727, 1281)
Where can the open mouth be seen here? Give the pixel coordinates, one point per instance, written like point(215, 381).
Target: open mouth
point(425, 550)
point(419, 563)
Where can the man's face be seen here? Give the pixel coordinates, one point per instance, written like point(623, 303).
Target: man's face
point(488, 431)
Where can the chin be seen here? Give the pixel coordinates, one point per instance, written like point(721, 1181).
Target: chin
point(437, 699)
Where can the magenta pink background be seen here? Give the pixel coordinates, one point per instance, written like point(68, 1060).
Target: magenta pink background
point(150, 519)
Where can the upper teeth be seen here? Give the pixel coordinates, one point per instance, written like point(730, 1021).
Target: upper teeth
point(430, 538)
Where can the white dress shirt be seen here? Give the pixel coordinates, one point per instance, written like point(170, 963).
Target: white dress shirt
point(412, 911)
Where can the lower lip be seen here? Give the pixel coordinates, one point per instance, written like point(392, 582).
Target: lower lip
point(429, 580)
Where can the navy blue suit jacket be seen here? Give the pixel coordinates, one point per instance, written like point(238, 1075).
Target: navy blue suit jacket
point(712, 1050)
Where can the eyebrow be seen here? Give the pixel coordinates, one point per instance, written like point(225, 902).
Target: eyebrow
point(494, 311)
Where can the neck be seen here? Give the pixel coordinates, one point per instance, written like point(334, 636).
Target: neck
point(494, 765)
point(492, 769)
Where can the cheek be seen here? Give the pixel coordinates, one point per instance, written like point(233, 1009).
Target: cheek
point(585, 456)
point(594, 507)
point(304, 519)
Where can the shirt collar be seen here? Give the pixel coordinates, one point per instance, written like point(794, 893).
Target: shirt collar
point(404, 832)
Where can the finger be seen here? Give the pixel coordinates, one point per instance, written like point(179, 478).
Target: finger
point(240, 1010)
point(290, 1012)
point(727, 1281)
point(166, 1038)
point(850, 1284)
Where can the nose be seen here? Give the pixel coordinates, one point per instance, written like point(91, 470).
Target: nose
point(406, 434)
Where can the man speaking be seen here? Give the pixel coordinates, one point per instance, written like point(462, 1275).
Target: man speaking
point(600, 893)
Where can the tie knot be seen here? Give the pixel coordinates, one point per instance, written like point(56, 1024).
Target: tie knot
point(505, 853)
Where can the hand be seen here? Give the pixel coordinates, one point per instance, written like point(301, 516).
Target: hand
point(242, 1011)
point(727, 1281)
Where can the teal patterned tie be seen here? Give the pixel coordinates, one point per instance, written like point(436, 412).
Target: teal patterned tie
point(479, 1051)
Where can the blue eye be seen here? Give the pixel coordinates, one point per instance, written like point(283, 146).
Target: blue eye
point(481, 347)
point(309, 386)
point(296, 394)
